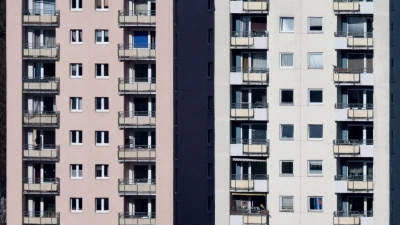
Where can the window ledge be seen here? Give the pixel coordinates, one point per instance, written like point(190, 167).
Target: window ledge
point(102, 145)
point(76, 10)
point(76, 77)
point(315, 139)
point(102, 78)
point(286, 175)
point(286, 139)
point(102, 212)
point(282, 210)
point(80, 111)
point(76, 43)
point(102, 178)
point(102, 111)
point(76, 178)
point(102, 10)
point(101, 43)
point(76, 211)
point(76, 144)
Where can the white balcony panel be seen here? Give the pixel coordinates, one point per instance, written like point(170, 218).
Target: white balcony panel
point(340, 186)
point(353, 114)
point(249, 150)
point(353, 43)
point(345, 186)
point(366, 7)
point(367, 220)
point(40, 220)
point(261, 42)
point(261, 114)
point(236, 220)
point(366, 79)
point(261, 185)
point(236, 150)
point(237, 7)
point(354, 150)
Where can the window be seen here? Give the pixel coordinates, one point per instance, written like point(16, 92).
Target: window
point(315, 168)
point(209, 5)
point(76, 137)
point(210, 36)
point(209, 203)
point(102, 104)
point(314, 203)
point(286, 203)
point(210, 70)
point(210, 103)
point(287, 131)
point(286, 168)
point(287, 97)
point(101, 205)
point(287, 24)
point(286, 60)
point(315, 132)
point(101, 5)
point(102, 138)
point(315, 96)
point(315, 61)
point(76, 104)
point(210, 137)
point(315, 25)
point(76, 5)
point(209, 170)
point(76, 204)
point(101, 36)
point(101, 71)
point(76, 36)
point(101, 171)
point(76, 70)
point(76, 171)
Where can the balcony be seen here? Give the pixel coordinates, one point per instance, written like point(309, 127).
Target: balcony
point(361, 40)
point(249, 39)
point(137, 187)
point(137, 218)
point(136, 18)
point(353, 6)
point(249, 147)
point(249, 111)
point(41, 119)
point(41, 152)
point(353, 218)
point(138, 153)
point(38, 17)
point(353, 76)
point(353, 148)
point(42, 186)
point(136, 85)
point(41, 217)
point(252, 76)
point(132, 119)
point(136, 52)
point(48, 51)
point(249, 182)
point(354, 112)
point(45, 85)
point(249, 6)
point(354, 184)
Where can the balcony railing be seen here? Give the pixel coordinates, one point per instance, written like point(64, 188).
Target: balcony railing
point(41, 119)
point(41, 85)
point(347, 6)
point(349, 147)
point(47, 51)
point(136, 85)
point(245, 182)
point(357, 111)
point(137, 218)
point(41, 152)
point(42, 185)
point(252, 75)
point(349, 75)
point(246, 38)
point(255, 5)
point(136, 51)
point(253, 216)
point(350, 217)
point(137, 186)
point(39, 17)
point(357, 39)
point(137, 153)
point(253, 146)
point(137, 119)
point(357, 182)
point(137, 18)
point(246, 110)
point(41, 217)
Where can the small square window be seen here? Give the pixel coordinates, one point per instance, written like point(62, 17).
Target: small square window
point(315, 96)
point(101, 36)
point(102, 104)
point(76, 205)
point(315, 168)
point(286, 61)
point(315, 204)
point(102, 138)
point(76, 104)
point(287, 97)
point(101, 171)
point(315, 25)
point(102, 205)
point(102, 71)
point(76, 70)
point(76, 137)
point(76, 36)
point(315, 61)
point(315, 132)
point(287, 131)
point(101, 5)
point(286, 168)
point(76, 171)
point(287, 24)
point(286, 203)
point(76, 5)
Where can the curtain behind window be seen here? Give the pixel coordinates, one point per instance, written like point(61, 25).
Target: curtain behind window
point(258, 133)
point(49, 6)
point(315, 61)
point(141, 6)
point(287, 60)
point(259, 61)
point(49, 38)
point(356, 27)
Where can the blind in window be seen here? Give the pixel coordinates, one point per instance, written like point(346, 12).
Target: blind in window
point(287, 203)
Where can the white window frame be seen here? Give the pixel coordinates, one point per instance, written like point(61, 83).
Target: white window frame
point(77, 31)
point(280, 97)
point(308, 60)
point(281, 129)
point(102, 205)
point(310, 162)
point(77, 4)
point(309, 96)
point(315, 139)
point(103, 176)
point(103, 71)
point(77, 66)
point(315, 210)
point(75, 168)
point(78, 203)
point(309, 26)
point(78, 104)
point(103, 37)
point(103, 105)
point(102, 5)
point(76, 133)
point(281, 209)
point(280, 168)
point(281, 23)
point(280, 60)
point(102, 137)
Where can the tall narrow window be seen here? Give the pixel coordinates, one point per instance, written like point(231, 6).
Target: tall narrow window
point(210, 170)
point(101, 205)
point(76, 137)
point(101, 36)
point(101, 5)
point(210, 137)
point(210, 103)
point(315, 203)
point(101, 71)
point(210, 203)
point(76, 5)
point(102, 104)
point(76, 36)
point(210, 36)
point(210, 70)
point(76, 104)
point(76, 171)
point(102, 138)
point(76, 205)
point(76, 70)
point(101, 171)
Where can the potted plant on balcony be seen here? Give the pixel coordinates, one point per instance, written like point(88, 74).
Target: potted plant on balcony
point(51, 210)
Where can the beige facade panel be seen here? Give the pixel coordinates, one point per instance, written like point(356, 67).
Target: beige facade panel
point(137, 221)
point(137, 20)
point(360, 185)
point(139, 188)
point(360, 113)
point(255, 6)
point(40, 220)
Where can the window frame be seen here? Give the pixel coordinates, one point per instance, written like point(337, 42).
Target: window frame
point(309, 206)
point(281, 174)
point(77, 66)
point(104, 176)
point(315, 53)
point(280, 96)
point(309, 96)
point(103, 37)
point(102, 205)
point(103, 138)
point(281, 203)
point(77, 100)
point(281, 132)
point(104, 74)
point(76, 31)
point(76, 132)
point(281, 22)
point(280, 61)
point(309, 162)
point(309, 25)
point(77, 4)
point(315, 139)
point(78, 202)
point(102, 6)
point(103, 104)
point(77, 168)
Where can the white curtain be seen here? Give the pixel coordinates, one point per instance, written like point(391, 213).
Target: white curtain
point(141, 6)
point(36, 104)
point(259, 61)
point(80, 35)
point(315, 61)
point(287, 24)
point(49, 38)
point(34, 134)
point(287, 60)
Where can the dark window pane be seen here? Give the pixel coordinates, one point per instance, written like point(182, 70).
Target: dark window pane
point(98, 204)
point(287, 96)
point(315, 131)
point(98, 103)
point(73, 203)
point(315, 96)
point(105, 170)
point(287, 131)
point(98, 137)
point(80, 203)
point(73, 136)
point(80, 69)
point(98, 69)
point(80, 137)
point(105, 69)
point(106, 204)
point(106, 103)
point(106, 137)
point(287, 167)
point(80, 4)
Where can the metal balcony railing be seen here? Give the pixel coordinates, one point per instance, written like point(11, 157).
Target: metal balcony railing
point(39, 85)
point(137, 17)
point(357, 39)
point(352, 70)
point(245, 182)
point(255, 5)
point(137, 186)
point(253, 146)
point(40, 17)
point(347, 6)
point(353, 106)
point(357, 111)
point(253, 75)
point(246, 38)
point(41, 152)
point(253, 216)
point(353, 142)
point(41, 217)
point(246, 110)
point(357, 182)
point(42, 51)
point(137, 153)
point(349, 75)
point(42, 185)
point(41, 118)
point(137, 119)
point(136, 51)
point(137, 85)
point(350, 217)
point(137, 218)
